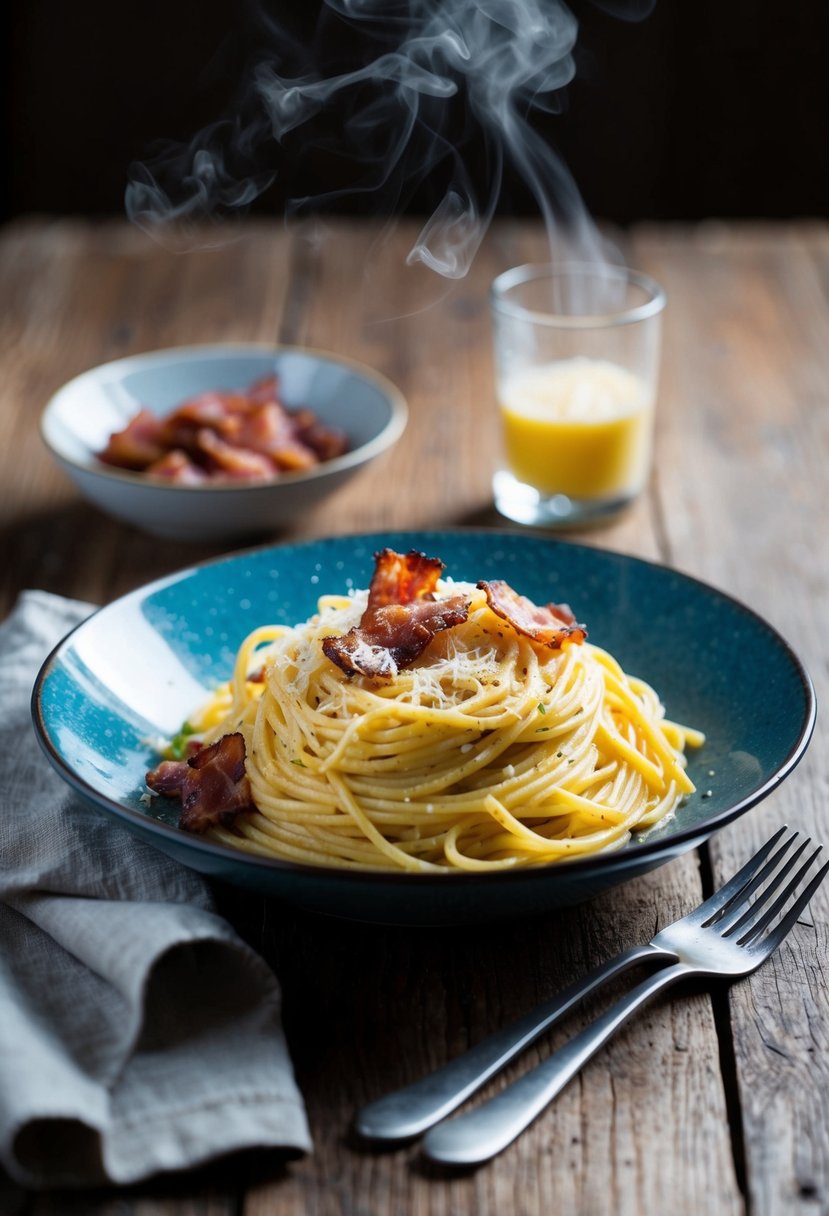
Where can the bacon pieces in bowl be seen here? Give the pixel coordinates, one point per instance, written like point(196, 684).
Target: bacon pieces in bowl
point(239, 435)
point(168, 442)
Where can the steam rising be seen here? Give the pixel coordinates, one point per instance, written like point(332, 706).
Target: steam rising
point(437, 80)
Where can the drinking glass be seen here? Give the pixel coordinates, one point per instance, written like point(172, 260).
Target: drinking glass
point(577, 362)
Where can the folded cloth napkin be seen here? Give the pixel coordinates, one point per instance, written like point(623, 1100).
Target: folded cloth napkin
point(138, 1032)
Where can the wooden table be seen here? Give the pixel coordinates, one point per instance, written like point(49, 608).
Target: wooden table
point(707, 1101)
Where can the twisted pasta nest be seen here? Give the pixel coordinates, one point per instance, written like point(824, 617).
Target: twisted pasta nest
point(488, 752)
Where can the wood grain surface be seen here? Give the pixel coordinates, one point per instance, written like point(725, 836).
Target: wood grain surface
point(710, 1101)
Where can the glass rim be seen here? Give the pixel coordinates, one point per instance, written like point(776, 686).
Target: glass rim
point(533, 271)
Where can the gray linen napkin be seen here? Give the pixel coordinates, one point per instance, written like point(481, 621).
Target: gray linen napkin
point(138, 1033)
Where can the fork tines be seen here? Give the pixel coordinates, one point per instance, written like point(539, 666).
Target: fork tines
point(746, 922)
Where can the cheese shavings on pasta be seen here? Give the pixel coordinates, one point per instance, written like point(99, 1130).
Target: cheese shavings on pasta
point(489, 751)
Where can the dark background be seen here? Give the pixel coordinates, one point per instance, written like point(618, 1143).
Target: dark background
point(706, 108)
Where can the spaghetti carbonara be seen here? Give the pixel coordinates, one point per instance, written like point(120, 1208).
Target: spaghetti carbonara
point(488, 751)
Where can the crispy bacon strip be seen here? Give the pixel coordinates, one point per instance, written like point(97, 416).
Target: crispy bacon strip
point(177, 468)
point(393, 636)
point(213, 784)
point(549, 624)
point(227, 435)
point(140, 443)
point(270, 429)
point(232, 461)
point(401, 617)
point(401, 578)
point(326, 441)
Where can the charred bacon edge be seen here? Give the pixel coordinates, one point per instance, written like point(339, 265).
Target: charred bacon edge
point(400, 619)
point(548, 624)
point(212, 784)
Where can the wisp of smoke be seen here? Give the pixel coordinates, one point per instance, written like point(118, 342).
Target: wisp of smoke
point(434, 78)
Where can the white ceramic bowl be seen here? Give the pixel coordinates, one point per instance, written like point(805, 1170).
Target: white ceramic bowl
point(80, 418)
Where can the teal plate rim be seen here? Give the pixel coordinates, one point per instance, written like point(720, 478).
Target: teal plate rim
point(630, 854)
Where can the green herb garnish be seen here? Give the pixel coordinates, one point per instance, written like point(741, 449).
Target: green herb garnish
point(177, 747)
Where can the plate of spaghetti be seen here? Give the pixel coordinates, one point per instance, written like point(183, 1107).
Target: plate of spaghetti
point(416, 727)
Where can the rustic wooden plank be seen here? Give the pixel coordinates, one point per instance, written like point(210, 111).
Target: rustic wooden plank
point(740, 416)
point(124, 293)
point(178, 1197)
point(367, 1008)
point(743, 502)
point(83, 294)
point(433, 339)
point(440, 344)
point(430, 342)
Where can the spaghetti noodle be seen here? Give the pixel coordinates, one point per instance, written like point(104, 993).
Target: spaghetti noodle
point(488, 751)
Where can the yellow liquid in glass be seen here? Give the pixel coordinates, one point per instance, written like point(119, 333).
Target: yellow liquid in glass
point(580, 427)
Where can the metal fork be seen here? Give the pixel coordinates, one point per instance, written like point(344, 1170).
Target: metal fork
point(725, 936)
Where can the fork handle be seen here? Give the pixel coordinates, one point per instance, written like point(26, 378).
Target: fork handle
point(477, 1136)
point(408, 1112)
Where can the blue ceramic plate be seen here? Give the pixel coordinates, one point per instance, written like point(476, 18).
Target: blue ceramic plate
point(99, 703)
